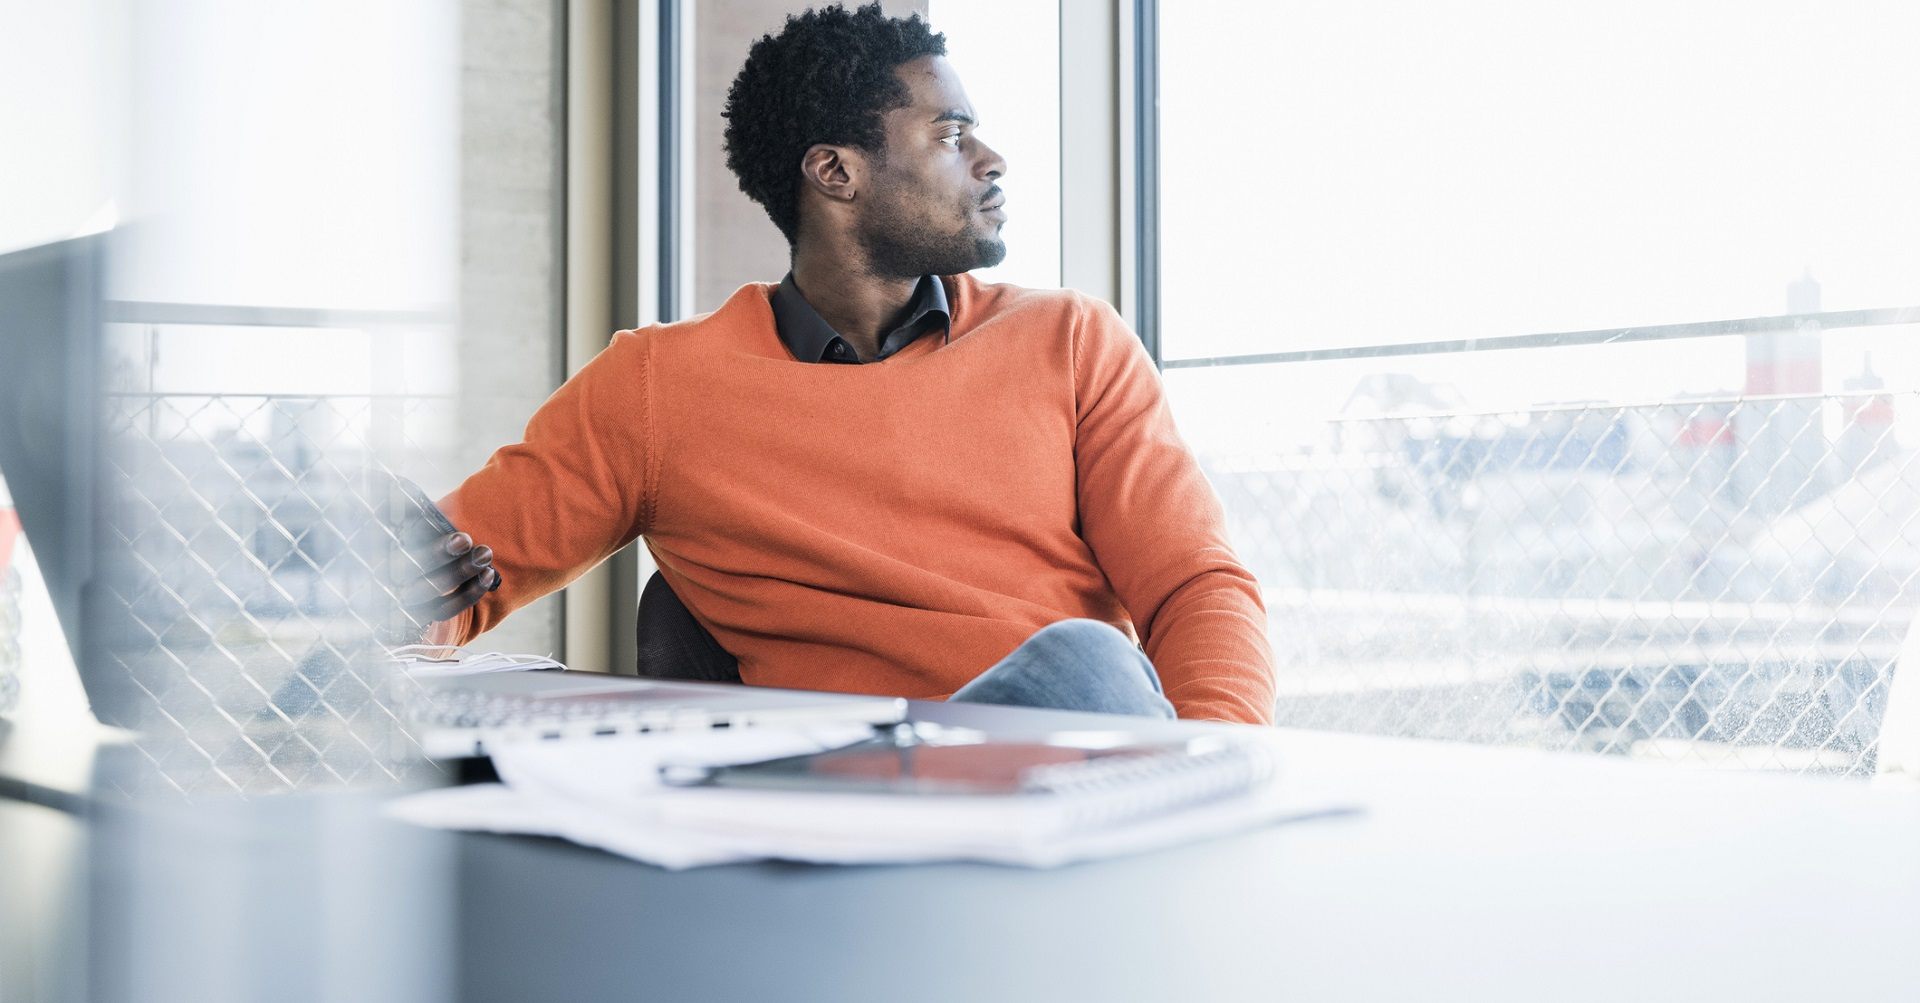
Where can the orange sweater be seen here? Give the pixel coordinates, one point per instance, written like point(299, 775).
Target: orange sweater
point(895, 527)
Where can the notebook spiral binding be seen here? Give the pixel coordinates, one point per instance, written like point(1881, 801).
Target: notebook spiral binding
point(1104, 792)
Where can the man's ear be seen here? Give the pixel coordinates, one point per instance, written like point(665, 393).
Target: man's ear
point(837, 172)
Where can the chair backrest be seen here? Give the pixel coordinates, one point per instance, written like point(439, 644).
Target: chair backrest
point(671, 644)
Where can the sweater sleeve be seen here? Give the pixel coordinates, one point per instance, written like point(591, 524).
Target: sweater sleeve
point(574, 491)
point(1158, 532)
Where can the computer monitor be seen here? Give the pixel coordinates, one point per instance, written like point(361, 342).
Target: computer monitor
point(50, 349)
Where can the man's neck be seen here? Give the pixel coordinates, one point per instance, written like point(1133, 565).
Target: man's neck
point(860, 306)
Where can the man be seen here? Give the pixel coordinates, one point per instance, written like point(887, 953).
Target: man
point(881, 475)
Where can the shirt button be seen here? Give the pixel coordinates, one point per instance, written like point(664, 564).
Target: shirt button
point(839, 349)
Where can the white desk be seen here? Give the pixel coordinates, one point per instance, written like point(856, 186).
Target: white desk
point(1477, 874)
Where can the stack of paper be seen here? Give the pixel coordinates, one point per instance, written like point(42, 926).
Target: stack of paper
point(607, 794)
point(432, 661)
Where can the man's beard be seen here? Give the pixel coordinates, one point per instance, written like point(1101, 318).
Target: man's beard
point(899, 245)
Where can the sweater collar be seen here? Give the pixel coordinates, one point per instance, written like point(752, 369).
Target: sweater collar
point(811, 339)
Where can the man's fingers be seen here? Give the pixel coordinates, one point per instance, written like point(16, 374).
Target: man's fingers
point(463, 597)
point(434, 552)
point(447, 577)
point(457, 572)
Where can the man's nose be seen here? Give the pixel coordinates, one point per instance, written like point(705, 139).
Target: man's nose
point(990, 165)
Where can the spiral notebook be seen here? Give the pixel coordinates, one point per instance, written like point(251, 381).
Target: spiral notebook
point(1061, 785)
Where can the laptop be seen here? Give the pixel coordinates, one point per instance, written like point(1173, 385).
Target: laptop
point(461, 716)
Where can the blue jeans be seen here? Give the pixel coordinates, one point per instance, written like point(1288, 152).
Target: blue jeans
point(1073, 665)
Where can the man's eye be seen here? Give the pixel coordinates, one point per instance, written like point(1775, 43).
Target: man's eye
point(953, 140)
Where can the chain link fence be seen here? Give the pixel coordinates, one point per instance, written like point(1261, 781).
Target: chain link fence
point(1719, 581)
point(242, 562)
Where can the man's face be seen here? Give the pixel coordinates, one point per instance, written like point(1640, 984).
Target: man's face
point(933, 207)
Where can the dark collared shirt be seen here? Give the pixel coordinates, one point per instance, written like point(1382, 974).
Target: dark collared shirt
point(811, 339)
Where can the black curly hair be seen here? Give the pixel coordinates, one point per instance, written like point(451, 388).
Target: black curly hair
point(826, 78)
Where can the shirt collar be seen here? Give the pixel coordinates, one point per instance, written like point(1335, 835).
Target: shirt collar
point(811, 339)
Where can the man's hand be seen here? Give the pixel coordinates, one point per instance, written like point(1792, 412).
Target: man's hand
point(437, 572)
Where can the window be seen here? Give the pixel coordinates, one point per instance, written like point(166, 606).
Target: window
point(1007, 54)
point(282, 317)
point(1675, 515)
point(54, 173)
point(1388, 173)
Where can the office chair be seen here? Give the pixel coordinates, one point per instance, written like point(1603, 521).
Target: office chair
point(671, 644)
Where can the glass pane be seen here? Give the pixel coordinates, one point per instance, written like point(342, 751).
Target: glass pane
point(1708, 577)
point(1008, 54)
point(56, 162)
point(308, 186)
point(285, 320)
point(1377, 172)
point(1702, 550)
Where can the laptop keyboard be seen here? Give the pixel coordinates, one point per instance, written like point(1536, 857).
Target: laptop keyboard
point(457, 708)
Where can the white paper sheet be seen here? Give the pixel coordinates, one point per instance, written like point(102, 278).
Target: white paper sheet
point(430, 661)
point(606, 794)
